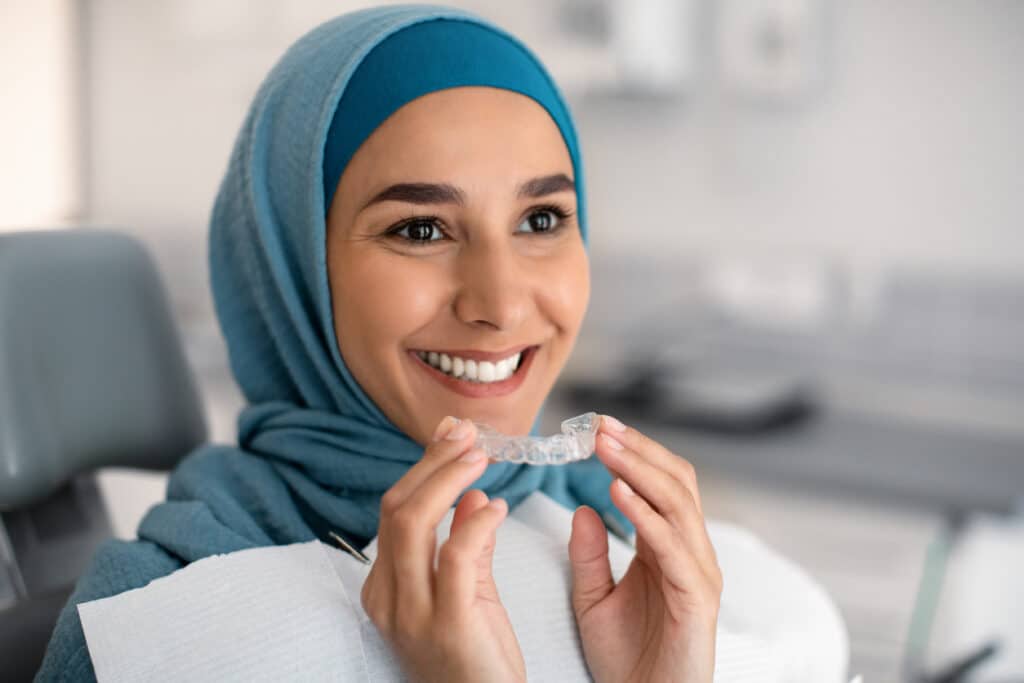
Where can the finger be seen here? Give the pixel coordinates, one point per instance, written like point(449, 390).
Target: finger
point(425, 506)
point(452, 438)
point(660, 489)
point(676, 562)
point(651, 450)
point(472, 500)
point(588, 555)
point(459, 569)
point(412, 527)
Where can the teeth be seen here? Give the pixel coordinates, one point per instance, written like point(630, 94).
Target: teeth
point(485, 373)
point(476, 371)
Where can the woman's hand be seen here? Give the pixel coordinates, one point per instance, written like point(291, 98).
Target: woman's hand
point(658, 623)
point(448, 623)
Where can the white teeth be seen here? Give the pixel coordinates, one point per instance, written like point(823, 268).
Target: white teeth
point(485, 372)
point(477, 371)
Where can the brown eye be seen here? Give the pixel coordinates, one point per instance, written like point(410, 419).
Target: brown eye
point(419, 231)
point(540, 221)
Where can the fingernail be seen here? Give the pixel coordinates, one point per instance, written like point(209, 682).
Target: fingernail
point(444, 426)
point(460, 431)
point(613, 424)
point(497, 503)
point(472, 455)
point(626, 488)
point(612, 443)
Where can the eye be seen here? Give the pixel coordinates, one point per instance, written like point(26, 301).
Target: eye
point(547, 219)
point(418, 231)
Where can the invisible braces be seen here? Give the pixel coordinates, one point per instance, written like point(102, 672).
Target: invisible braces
point(576, 442)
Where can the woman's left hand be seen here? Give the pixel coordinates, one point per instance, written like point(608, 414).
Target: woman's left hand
point(658, 623)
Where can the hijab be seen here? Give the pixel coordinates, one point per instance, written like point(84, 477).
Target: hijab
point(315, 453)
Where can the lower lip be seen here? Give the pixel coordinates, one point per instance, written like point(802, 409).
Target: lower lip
point(480, 389)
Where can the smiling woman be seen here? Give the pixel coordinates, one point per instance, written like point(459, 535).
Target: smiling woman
point(397, 251)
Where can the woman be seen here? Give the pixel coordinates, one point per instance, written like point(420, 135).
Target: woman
point(407, 188)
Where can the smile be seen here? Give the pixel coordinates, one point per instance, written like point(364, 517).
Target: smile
point(474, 374)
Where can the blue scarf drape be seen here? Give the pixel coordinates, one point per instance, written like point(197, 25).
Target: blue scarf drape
point(314, 452)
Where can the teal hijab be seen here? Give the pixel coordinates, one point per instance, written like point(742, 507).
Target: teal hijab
point(314, 452)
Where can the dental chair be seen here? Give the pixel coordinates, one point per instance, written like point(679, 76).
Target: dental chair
point(92, 374)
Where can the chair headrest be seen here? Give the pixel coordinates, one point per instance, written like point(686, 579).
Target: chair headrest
point(92, 369)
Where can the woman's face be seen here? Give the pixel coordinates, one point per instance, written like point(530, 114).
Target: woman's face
point(453, 232)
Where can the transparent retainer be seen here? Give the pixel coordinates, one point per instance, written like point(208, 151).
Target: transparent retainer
point(576, 442)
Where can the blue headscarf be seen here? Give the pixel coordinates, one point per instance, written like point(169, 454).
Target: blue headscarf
point(315, 452)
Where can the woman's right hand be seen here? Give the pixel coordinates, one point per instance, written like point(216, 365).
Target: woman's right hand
point(448, 623)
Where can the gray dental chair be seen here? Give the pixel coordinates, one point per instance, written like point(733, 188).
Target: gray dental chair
point(92, 374)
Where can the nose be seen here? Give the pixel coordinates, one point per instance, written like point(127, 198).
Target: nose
point(494, 290)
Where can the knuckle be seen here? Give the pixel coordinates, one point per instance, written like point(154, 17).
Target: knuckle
point(717, 580)
point(688, 500)
point(687, 471)
point(404, 518)
point(389, 502)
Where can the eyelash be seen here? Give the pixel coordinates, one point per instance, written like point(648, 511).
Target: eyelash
point(560, 213)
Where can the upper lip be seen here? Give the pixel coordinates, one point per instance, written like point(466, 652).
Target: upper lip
point(470, 354)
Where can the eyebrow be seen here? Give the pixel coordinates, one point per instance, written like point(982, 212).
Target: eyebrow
point(545, 185)
point(443, 193)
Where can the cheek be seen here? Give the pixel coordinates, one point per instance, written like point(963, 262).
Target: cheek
point(566, 290)
point(383, 302)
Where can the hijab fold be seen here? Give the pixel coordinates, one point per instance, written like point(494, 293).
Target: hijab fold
point(315, 454)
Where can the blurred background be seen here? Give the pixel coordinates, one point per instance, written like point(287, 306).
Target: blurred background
point(808, 264)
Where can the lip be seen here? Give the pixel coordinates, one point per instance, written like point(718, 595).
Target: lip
point(478, 389)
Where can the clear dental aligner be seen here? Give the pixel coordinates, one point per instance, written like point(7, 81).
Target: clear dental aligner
point(576, 442)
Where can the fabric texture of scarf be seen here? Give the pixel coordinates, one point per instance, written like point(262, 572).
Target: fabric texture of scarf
point(315, 454)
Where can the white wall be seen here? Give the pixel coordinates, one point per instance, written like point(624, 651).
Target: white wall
point(909, 155)
point(39, 126)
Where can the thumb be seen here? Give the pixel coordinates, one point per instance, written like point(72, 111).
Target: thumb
point(588, 554)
